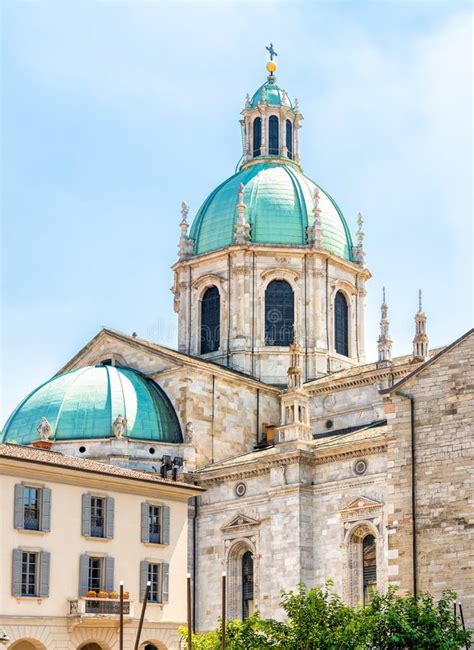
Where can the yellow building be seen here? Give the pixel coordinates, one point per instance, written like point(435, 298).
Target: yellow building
point(72, 528)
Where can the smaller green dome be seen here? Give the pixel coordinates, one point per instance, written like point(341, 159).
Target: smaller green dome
point(83, 404)
point(274, 96)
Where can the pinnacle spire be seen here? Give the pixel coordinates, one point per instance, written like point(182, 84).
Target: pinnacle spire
point(186, 245)
point(421, 340)
point(358, 251)
point(314, 232)
point(242, 227)
point(384, 341)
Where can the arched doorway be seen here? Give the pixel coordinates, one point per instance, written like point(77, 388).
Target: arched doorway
point(363, 547)
point(91, 646)
point(241, 580)
point(24, 645)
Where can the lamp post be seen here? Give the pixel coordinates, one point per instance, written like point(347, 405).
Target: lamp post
point(121, 616)
point(223, 607)
point(190, 622)
point(142, 615)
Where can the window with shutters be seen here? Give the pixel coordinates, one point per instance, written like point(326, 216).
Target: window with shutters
point(97, 517)
point(154, 578)
point(95, 580)
point(210, 320)
point(273, 136)
point(29, 574)
point(31, 508)
point(155, 523)
point(279, 313)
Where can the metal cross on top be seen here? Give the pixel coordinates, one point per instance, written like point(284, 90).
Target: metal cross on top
point(272, 51)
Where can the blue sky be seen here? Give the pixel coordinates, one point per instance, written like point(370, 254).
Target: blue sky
point(115, 112)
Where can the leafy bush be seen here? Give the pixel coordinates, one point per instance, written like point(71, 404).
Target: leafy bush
point(317, 619)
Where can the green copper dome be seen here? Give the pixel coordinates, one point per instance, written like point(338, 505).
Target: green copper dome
point(279, 200)
point(83, 404)
point(275, 96)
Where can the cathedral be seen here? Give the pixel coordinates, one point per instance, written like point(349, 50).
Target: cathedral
point(315, 463)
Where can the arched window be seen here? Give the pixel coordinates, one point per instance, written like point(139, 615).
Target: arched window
point(341, 329)
point(289, 138)
point(257, 136)
point(273, 136)
point(247, 585)
point(279, 313)
point(369, 567)
point(210, 320)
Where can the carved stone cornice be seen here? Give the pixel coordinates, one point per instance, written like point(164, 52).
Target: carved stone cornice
point(228, 473)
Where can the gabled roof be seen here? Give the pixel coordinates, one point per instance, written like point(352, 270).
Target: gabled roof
point(428, 363)
point(178, 358)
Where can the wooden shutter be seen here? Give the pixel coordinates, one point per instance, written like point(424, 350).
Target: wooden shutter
point(165, 528)
point(46, 510)
point(44, 569)
point(109, 517)
point(86, 515)
point(109, 564)
point(145, 523)
point(83, 575)
point(16, 571)
point(143, 578)
point(19, 518)
point(165, 581)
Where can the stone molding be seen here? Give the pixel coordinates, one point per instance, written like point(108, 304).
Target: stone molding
point(238, 523)
point(227, 473)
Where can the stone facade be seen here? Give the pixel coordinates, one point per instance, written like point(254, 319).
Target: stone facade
point(308, 503)
point(436, 440)
point(241, 274)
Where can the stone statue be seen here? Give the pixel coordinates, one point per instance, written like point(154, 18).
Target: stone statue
point(44, 429)
point(119, 426)
point(188, 436)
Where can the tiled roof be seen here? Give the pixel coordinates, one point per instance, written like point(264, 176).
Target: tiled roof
point(45, 457)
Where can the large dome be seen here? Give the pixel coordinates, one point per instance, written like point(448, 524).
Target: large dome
point(83, 404)
point(279, 200)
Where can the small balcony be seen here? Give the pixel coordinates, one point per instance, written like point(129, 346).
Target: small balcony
point(89, 611)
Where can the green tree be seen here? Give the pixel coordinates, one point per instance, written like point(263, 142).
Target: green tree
point(317, 619)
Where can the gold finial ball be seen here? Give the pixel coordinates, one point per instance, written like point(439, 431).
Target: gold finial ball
point(271, 67)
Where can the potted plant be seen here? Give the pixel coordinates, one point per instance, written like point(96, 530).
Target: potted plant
point(113, 594)
point(103, 594)
point(126, 595)
point(91, 594)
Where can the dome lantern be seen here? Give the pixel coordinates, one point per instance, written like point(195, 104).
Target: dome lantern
point(270, 122)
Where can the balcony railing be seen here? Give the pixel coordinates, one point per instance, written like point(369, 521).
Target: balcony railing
point(99, 607)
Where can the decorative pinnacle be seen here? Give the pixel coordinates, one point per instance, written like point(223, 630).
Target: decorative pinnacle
point(240, 194)
point(184, 211)
point(316, 197)
point(420, 308)
point(296, 105)
point(383, 293)
point(247, 100)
